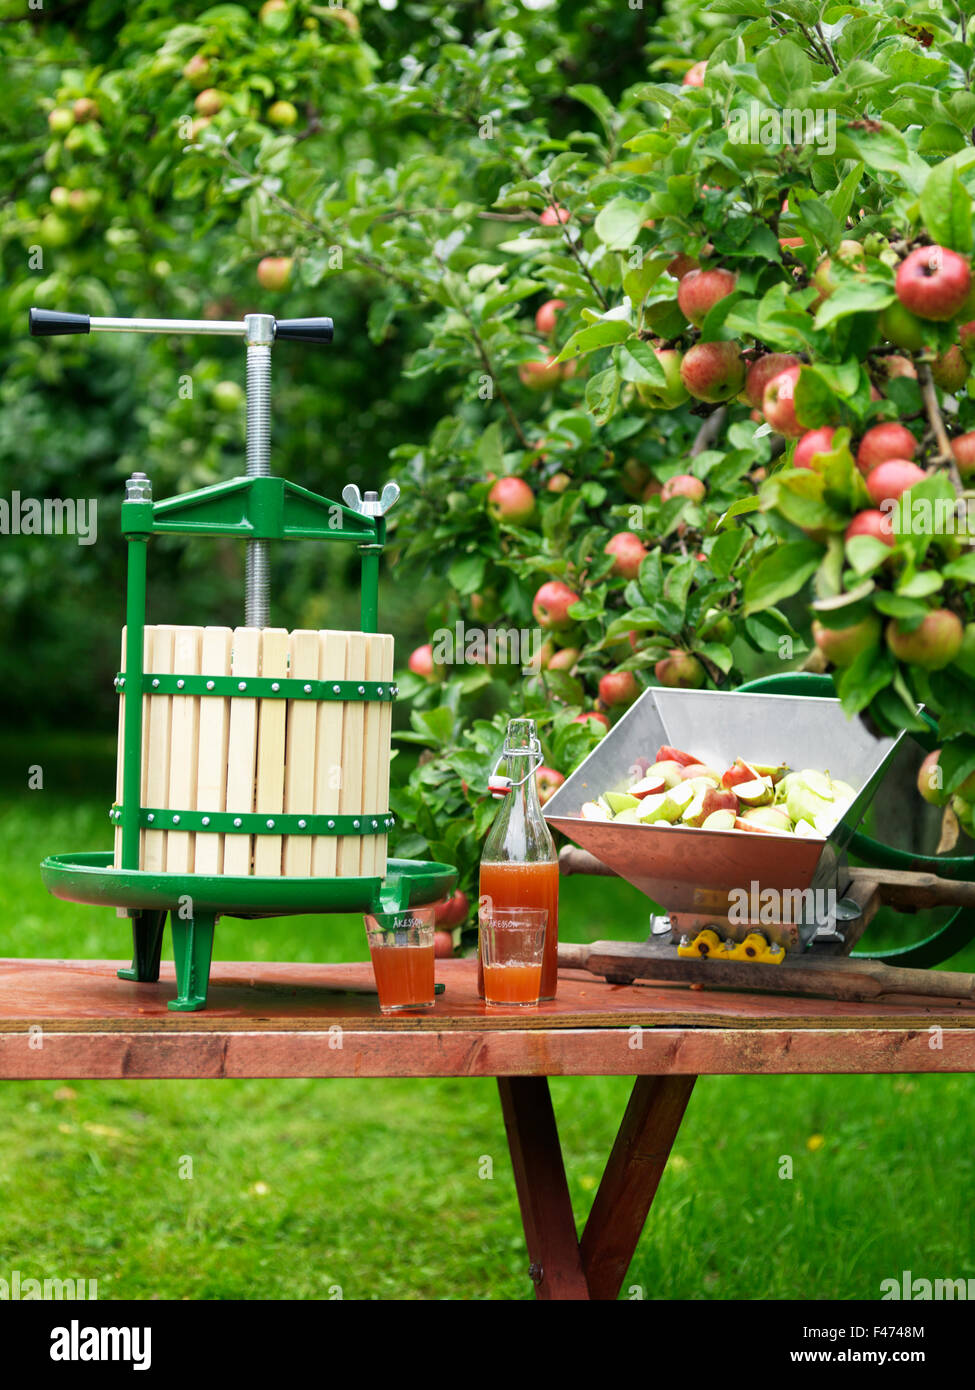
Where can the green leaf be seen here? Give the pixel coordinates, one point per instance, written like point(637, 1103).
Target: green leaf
point(784, 68)
point(726, 550)
point(781, 574)
point(596, 336)
point(602, 394)
point(597, 101)
point(619, 223)
point(870, 672)
point(637, 361)
point(467, 574)
point(856, 297)
point(946, 206)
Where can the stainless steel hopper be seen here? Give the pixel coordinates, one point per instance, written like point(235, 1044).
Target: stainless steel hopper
point(700, 876)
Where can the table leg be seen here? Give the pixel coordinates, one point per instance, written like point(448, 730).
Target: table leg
point(543, 1193)
point(629, 1184)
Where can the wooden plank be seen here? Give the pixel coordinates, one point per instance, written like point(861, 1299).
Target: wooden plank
point(832, 977)
point(629, 1184)
point(353, 726)
point(265, 1049)
point(328, 769)
point(543, 1192)
point(299, 778)
point(184, 748)
point(376, 739)
point(211, 787)
point(271, 723)
point(242, 749)
point(158, 756)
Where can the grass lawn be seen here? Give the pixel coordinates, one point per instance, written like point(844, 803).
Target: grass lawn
point(380, 1189)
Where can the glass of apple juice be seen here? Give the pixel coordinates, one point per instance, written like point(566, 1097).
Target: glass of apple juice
point(512, 944)
point(401, 947)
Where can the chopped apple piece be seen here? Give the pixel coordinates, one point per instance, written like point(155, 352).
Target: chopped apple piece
point(806, 831)
point(739, 772)
point(621, 801)
point(631, 815)
point(591, 810)
point(817, 782)
point(774, 771)
point(657, 808)
point(648, 786)
point(755, 793)
point(665, 754)
point(695, 771)
point(842, 791)
point(769, 818)
point(720, 820)
point(669, 771)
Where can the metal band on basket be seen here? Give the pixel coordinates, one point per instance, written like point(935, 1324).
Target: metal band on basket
point(258, 822)
point(260, 687)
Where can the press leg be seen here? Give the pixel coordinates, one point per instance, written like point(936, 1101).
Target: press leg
point(193, 950)
point(147, 932)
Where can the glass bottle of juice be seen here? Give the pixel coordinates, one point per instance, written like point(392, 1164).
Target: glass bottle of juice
point(519, 865)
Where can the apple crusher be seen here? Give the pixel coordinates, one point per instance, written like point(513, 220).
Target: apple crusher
point(743, 898)
point(253, 766)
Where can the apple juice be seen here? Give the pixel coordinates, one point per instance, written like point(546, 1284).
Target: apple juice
point(519, 865)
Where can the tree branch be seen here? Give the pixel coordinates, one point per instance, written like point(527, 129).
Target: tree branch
point(709, 431)
point(944, 456)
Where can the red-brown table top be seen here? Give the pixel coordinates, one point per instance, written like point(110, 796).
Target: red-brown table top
point(75, 1018)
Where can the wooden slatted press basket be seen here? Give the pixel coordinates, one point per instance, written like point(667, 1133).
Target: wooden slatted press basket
point(253, 764)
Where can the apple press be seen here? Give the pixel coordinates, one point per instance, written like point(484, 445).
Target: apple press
point(253, 768)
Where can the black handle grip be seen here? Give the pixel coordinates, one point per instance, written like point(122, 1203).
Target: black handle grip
point(304, 330)
point(46, 323)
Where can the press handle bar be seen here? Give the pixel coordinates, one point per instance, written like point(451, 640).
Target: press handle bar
point(49, 323)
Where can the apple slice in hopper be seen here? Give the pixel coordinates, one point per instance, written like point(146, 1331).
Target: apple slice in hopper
point(620, 801)
point(649, 786)
point(768, 818)
point(667, 754)
point(720, 820)
point(773, 771)
point(756, 793)
point(669, 771)
point(668, 805)
point(630, 816)
point(694, 771)
point(591, 810)
point(739, 772)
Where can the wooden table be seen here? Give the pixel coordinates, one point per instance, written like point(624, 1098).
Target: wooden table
point(71, 1019)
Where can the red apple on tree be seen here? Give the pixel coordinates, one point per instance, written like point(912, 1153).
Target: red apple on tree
point(700, 290)
point(452, 911)
point(680, 670)
point(540, 373)
point(593, 720)
point(60, 120)
point(511, 499)
point(554, 214)
point(421, 663)
point(889, 481)
point(694, 77)
point(683, 485)
point(682, 265)
point(761, 372)
point(283, 113)
point(963, 448)
point(558, 483)
point(619, 688)
point(552, 603)
point(871, 523)
point(902, 328)
point(932, 645)
point(564, 659)
point(628, 551)
point(841, 645)
point(209, 102)
point(813, 442)
point(882, 442)
point(197, 70)
point(274, 272)
point(849, 254)
point(548, 781)
point(779, 406)
point(85, 110)
point(713, 371)
point(950, 370)
point(930, 781)
point(547, 314)
point(933, 283)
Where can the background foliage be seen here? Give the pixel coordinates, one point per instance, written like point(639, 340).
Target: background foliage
point(409, 192)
